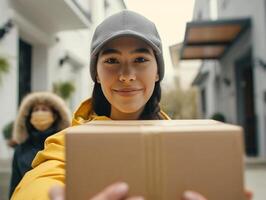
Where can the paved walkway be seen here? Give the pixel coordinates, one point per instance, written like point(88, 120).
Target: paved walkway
point(255, 178)
point(5, 169)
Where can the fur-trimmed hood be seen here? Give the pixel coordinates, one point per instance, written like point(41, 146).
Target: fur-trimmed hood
point(20, 133)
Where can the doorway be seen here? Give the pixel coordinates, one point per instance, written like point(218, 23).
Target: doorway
point(246, 115)
point(25, 62)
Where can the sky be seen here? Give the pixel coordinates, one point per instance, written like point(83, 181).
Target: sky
point(170, 18)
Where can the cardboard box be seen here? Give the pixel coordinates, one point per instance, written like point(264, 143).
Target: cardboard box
point(158, 159)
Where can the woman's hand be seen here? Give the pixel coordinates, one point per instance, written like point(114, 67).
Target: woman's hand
point(191, 195)
point(117, 191)
point(248, 194)
point(57, 192)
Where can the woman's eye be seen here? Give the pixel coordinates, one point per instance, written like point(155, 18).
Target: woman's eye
point(111, 61)
point(141, 60)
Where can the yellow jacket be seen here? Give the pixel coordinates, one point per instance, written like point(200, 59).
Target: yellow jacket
point(49, 164)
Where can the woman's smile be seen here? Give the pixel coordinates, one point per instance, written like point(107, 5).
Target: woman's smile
point(128, 91)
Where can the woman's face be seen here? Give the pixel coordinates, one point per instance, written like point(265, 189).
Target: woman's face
point(42, 117)
point(127, 72)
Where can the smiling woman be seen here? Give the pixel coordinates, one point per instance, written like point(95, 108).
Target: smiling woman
point(127, 67)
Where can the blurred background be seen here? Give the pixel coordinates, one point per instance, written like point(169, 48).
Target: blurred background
point(214, 53)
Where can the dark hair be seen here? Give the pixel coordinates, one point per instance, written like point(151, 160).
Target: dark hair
point(101, 106)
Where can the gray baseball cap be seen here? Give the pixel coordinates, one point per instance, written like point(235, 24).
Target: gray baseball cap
point(126, 23)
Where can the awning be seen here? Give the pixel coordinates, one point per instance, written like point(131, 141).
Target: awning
point(211, 39)
point(52, 16)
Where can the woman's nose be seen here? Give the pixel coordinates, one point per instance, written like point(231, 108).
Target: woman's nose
point(127, 74)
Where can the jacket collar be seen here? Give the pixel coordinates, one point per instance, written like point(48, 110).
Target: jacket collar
point(84, 114)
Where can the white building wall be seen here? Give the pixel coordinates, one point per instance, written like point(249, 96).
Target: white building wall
point(201, 10)
point(114, 6)
point(75, 44)
point(238, 8)
point(39, 69)
point(9, 84)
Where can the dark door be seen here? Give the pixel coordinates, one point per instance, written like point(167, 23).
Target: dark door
point(25, 56)
point(245, 103)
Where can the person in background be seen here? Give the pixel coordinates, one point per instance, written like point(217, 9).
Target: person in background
point(40, 115)
point(127, 66)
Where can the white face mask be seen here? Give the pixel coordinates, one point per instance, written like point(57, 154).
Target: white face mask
point(42, 120)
